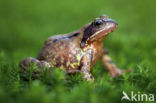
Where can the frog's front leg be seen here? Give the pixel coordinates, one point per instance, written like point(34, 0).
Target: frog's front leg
point(110, 66)
point(85, 67)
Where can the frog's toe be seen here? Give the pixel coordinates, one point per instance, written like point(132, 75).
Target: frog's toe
point(88, 77)
point(119, 72)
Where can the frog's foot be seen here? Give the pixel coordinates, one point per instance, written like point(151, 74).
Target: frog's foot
point(116, 72)
point(88, 76)
point(28, 62)
point(111, 67)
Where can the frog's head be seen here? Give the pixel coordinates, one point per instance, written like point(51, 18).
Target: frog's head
point(97, 30)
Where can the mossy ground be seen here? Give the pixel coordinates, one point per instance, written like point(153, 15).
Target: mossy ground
point(24, 25)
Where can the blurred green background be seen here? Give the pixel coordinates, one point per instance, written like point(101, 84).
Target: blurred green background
point(25, 24)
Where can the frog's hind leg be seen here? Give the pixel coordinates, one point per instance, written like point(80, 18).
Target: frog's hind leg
point(28, 62)
point(111, 67)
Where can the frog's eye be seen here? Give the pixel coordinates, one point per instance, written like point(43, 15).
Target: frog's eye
point(98, 22)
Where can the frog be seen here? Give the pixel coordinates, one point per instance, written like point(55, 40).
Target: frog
point(78, 51)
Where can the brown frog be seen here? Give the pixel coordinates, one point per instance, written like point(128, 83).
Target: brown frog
point(77, 51)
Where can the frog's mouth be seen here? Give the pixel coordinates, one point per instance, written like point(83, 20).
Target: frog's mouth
point(109, 26)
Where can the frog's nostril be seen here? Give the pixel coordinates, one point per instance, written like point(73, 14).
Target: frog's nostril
point(104, 16)
point(115, 22)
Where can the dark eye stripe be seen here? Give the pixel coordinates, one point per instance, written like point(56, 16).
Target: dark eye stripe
point(87, 33)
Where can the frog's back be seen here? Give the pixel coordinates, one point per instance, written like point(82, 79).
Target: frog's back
point(61, 51)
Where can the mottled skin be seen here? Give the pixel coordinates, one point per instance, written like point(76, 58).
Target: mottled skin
point(77, 51)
